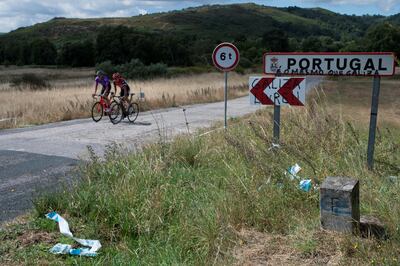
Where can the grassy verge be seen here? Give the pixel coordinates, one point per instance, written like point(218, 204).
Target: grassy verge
point(223, 198)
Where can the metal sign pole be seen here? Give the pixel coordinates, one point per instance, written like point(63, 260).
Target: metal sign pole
point(277, 119)
point(226, 57)
point(277, 123)
point(372, 124)
point(226, 99)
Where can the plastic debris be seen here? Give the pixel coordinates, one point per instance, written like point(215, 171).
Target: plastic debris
point(94, 245)
point(274, 146)
point(305, 185)
point(293, 171)
point(61, 249)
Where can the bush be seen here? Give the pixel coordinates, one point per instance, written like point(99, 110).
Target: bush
point(30, 81)
point(135, 69)
point(193, 70)
point(245, 63)
point(107, 67)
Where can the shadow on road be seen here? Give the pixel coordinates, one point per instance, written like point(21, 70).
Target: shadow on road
point(143, 123)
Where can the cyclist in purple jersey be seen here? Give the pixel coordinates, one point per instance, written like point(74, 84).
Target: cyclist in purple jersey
point(101, 78)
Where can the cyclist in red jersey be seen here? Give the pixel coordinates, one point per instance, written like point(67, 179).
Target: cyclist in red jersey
point(119, 81)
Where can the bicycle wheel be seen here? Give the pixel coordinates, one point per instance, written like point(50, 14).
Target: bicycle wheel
point(133, 112)
point(115, 113)
point(97, 112)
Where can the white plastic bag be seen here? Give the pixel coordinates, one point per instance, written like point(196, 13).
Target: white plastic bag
point(94, 245)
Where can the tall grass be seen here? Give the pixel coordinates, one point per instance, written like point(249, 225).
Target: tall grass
point(71, 98)
point(184, 202)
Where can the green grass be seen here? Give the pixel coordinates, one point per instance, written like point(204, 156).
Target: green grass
point(184, 201)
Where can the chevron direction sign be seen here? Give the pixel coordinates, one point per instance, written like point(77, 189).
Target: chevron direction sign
point(278, 90)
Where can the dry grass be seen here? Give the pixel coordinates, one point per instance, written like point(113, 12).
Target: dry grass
point(351, 98)
point(70, 97)
point(258, 248)
point(49, 73)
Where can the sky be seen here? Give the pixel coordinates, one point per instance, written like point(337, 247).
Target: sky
point(19, 13)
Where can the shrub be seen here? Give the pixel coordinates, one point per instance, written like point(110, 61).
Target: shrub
point(107, 67)
point(135, 69)
point(30, 81)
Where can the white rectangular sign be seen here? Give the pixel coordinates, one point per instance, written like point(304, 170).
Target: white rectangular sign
point(331, 64)
point(277, 90)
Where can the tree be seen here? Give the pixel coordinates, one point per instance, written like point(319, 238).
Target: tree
point(276, 40)
point(383, 37)
point(43, 52)
point(12, 51)
point(173, 50)
point(114, 44)
point(77, 54)
point(1, 52)
point(311, 44)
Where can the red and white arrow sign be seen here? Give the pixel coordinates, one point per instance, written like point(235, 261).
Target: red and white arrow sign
point(258, 90)
point(277, 91)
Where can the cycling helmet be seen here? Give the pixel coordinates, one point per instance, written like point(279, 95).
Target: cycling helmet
point(116, 76)
point(100, 73)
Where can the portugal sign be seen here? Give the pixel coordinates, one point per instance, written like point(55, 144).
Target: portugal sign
point(331, 64)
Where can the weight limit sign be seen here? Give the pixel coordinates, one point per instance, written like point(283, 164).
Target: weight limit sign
point(226, 56)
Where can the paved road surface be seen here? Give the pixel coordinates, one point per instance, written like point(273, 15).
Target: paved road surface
point(37, 159)
point(25, 175)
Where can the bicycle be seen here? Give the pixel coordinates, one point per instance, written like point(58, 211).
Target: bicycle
point(98, 109)
point(118, 110)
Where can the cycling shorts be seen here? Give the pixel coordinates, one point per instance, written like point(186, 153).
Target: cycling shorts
point(122, 93)
point(106, 90)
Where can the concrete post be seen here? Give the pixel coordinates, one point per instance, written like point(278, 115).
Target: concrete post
point(340, 204)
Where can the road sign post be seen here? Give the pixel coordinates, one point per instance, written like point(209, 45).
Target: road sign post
point(375, 64)
point(277, 91)
point(226, 101)
point(373, 120)
point(277, 123)
point(226, 58)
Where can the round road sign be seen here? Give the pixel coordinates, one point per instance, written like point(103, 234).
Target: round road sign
point(226, 56)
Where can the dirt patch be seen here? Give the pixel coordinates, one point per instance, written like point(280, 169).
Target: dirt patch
point(29, 238)
point(256, 248)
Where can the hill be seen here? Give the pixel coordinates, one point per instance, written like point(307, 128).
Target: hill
point(186, 37)
point(216, 21)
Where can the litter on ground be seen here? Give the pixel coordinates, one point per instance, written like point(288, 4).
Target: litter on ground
point(94, 245)
point(305, 185)
point(293, 171)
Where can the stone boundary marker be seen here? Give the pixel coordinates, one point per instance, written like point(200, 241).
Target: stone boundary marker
point(340, 204)
point(340, 209)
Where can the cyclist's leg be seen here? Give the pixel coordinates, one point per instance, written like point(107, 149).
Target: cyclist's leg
point(126, 96)
point(108, 98)
point(105, 94)
point(122, 94)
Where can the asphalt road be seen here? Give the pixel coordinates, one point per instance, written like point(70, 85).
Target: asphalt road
point(40, 159)
point(23, 176)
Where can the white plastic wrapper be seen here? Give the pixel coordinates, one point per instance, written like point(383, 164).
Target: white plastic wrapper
point(94, 245)
point(293, 171)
